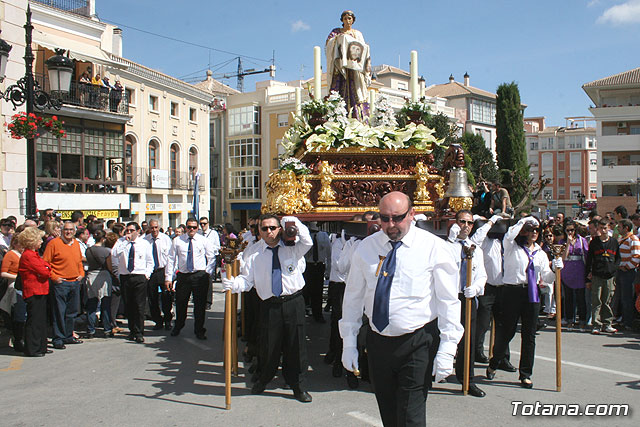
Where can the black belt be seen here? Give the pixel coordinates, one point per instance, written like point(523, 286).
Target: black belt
point(283, 298)
point(518, 285)
point(193, 272)
point(314, 262)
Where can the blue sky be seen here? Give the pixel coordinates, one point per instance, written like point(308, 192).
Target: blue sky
point(549, 47)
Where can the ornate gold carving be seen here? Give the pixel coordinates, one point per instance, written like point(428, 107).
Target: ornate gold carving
point(326, 196)
point(421, 195)
point(439, 186)
point(458, 203)
point(363, 177)
point(287, 193)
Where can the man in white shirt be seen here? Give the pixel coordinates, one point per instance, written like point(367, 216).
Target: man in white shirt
point(336, 295)
point(275, 270)
point(135, 265)
point(406, 281)
point(157, 294)
point(213, 236)
point(190, 257)
point(459, 239)
point(318, 265)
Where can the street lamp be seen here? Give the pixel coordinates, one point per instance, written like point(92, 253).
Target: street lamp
point(581, 198)
point(28, 92)
point(547, 197)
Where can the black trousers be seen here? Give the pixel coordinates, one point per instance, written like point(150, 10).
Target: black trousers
point(336, 296)
point(572, 299)
point(515, 304)
point(282, 332)
point(488, 304)
point(314, 282)
point(252, 320)
point(400, 369)
point(135, 289)
point(157, 299)
point(35, 331)
point(197, 284)
point(472, 333)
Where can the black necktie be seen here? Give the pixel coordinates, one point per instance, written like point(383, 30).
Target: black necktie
point(383, 289)
point(190, 255)
point(132, 258)
point(315, 247)
point(156, 263)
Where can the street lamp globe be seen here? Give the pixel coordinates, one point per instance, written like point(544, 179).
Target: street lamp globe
point(60, 71)
point(5, 48)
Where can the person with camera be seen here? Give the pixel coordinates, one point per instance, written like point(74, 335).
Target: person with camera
point(275, 268)
point(191, 257)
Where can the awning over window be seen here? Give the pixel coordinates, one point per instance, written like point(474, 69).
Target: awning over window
point(77, 50)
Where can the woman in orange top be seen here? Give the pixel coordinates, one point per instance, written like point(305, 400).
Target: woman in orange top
point(35, 273)
point(12, 301)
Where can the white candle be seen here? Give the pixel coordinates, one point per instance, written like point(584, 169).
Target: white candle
point(298, 101)
point(372, 103)
point(317, 73)
point(414, 76)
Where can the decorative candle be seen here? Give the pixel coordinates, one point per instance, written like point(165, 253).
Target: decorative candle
point(414, 76)
point(298, 101)
point(317, 73)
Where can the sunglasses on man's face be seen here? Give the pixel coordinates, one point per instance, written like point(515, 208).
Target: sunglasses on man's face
point(463, 222)
point(395, 218)
point(269, 228)
point(204, 223)
point(192, 227)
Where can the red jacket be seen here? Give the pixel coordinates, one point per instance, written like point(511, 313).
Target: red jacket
point(35, 273)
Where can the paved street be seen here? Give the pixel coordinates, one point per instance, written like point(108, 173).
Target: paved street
point(180, 381)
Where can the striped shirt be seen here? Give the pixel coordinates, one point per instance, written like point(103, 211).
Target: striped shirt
point(629, 252)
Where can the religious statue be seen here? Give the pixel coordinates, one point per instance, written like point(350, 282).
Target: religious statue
point(349, 66)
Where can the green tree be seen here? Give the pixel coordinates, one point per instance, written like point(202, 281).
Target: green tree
point(444, 130)
point(510, 143)
point(478, 157)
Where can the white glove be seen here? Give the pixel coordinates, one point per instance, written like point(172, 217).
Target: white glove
point(557, 264)
point(470, 292)
point(494, 219)
point(350, 358)
point(442, 366)
point(477, 217)
point(227, 284)
point(453, 232)
point(531, 220)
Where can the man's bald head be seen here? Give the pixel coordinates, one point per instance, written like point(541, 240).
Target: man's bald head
point(396, 214)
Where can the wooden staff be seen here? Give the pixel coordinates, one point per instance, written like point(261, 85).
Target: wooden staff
point(468, 253)
point(234, 323)
point(558, 250)
point(227, 342)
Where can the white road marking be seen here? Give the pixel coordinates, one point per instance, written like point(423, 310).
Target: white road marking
point(197, 343)
point(365, 418)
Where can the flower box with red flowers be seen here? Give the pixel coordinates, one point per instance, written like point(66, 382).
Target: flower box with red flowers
point(30, 125)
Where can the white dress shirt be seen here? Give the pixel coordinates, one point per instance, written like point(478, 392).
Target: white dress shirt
point(213, 237)
point(143, 260)
point(256, 270)
point(344, 260)
point(516, 259)
point(478, 273)
point(335, 275)
point(204, 256)
point(163, 243)
point(424, 288)
point(492, 254)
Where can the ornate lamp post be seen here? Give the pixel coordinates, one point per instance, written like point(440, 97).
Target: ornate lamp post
point(547, 197)
point(28, 92)
point(581, 199)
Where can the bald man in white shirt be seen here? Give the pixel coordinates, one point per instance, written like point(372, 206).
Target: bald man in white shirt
point(406, 280)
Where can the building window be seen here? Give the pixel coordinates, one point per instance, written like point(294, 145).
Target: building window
point(153, 155)
point(547, 143)
point(153, 103)
point(245, 185)
point(483, 112)
point(244, 121)
point(593, 193)
point(575, 165)
point(547, 193)
point(560, 191)
point(244, 152)
point(193, 161)
point(89, 159)
point(174, 111)
point(593, 176)
point(403, 86)
point(634, 130)
point(283, 120)
point(174, 164)
point(560, 143)
point(130, 95)
point(193, 114)
point(129, 158)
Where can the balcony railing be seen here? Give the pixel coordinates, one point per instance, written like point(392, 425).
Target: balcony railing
point(90, 96)
point(141, 178)
point(79, 7)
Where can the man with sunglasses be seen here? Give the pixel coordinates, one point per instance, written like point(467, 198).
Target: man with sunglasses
point(275, 270)
point(156, 293)
point(135, 266)
point(191, 256)
point(406, 281)
point(214, 238)
point(459, 239)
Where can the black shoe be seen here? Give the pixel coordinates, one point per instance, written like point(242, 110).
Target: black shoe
point(18, 346)
point(475, 391)
point(167, 325)
point(73, 341)
point(130, 337)
point(59, 346)
point(329, 357)
point(109, 334)
point(505, 365)
point(208, 306)
point(337, 370)
point(481, 358)
point(526, 383)
point(201, 336)
point(258, 387)
point(158, 326)
point(491, 374)
point(352, 381)
point(300, 395)
point(139, 340)
point(34, 355)
point(175, 332)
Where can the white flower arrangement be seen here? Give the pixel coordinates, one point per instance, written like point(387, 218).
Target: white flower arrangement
point(295, 165)
point(384, 114)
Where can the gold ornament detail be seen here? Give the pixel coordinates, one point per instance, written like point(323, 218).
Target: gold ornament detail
point(421, 196)
point(459, 203)
point(287, 193)
point(326, 196)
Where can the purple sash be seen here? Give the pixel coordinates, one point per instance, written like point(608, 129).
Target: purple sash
point(531, 277)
